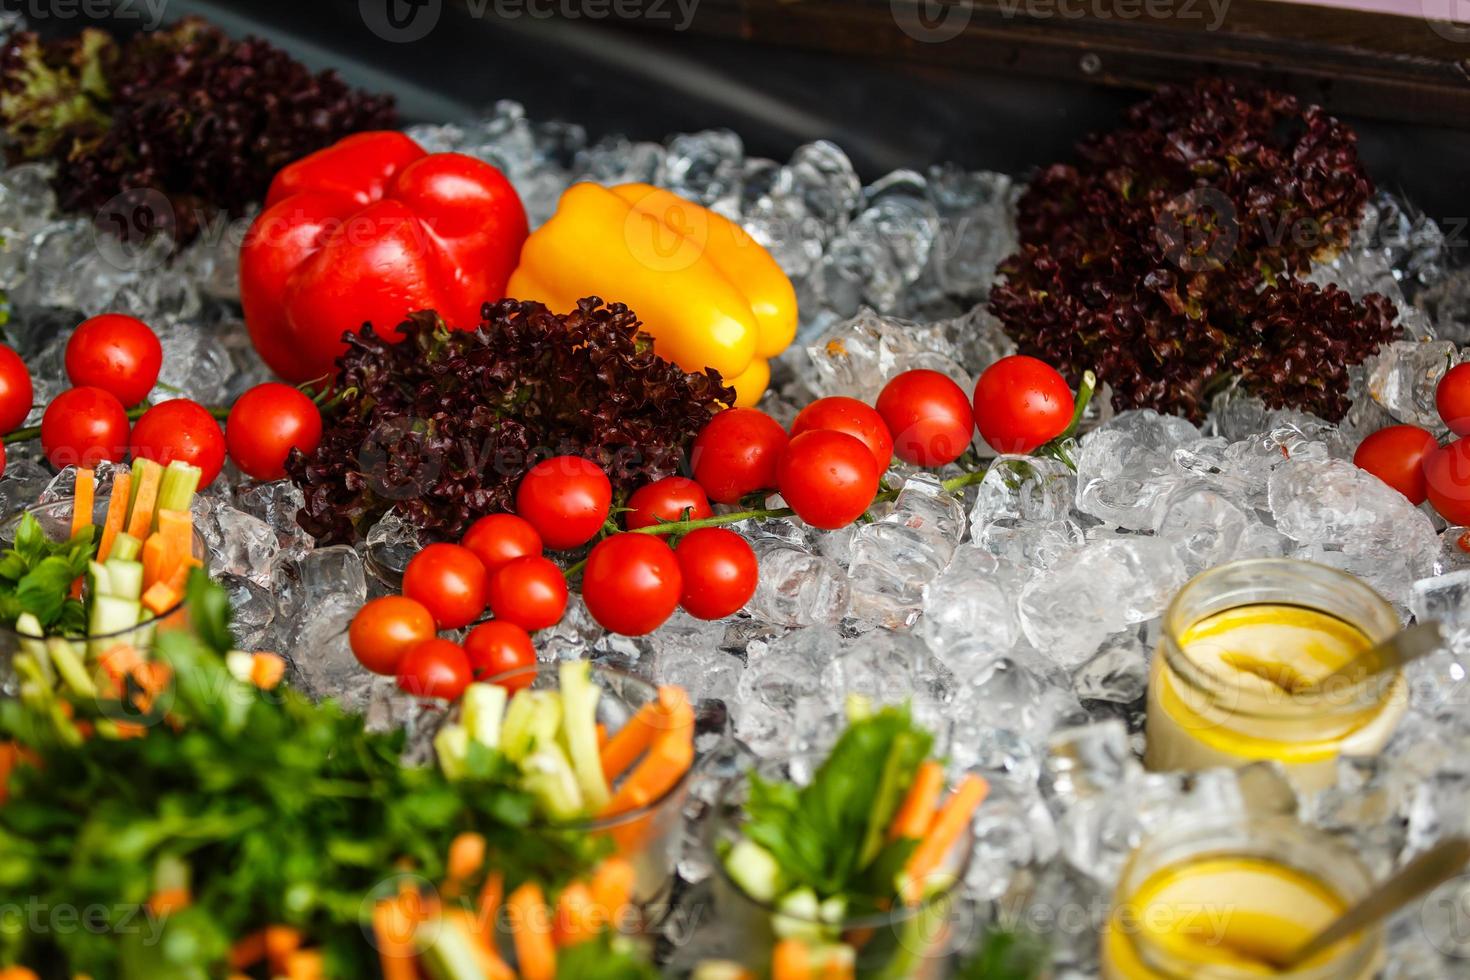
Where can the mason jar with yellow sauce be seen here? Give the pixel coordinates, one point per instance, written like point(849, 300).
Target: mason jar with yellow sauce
point(1235, 678)
point(1229, 899)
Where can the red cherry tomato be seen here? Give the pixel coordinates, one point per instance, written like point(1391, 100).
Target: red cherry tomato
point(928, 416)
point(498, 646)
point(566, 499)
point(450, 581)
point(1396, 456)
point(828, 478)
point(631, 583)
point(497, 538)
point(857, 419)
point(116, 353)
point(719, 572)
point(737, 453)
point(529, 591)
point(385, 629)
point(1447, 481)
point(184, 430)
point(82, 427)
point(16, 391)
point(1452, 398)
point(2, 459)
point(1021, 403)
point(266, 423)
point(435, 669)
point(666, 500)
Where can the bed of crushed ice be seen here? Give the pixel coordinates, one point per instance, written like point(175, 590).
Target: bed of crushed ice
point(1019, 620)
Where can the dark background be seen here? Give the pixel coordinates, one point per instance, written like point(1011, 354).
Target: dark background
point(649, 81)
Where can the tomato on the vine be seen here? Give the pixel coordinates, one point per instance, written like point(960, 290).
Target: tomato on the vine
point(84, 426)
point(499, 646)
point(1447, 481)
point(266, 423)
point(737, 453)
point(857, 419)
point(929, 417)
point(1452, 399)
point(631, 583)
point(16, 390)
point(435, 668)
point(1396, 455)
point(497, 538)
point(385, 629)
point(529, 591)
point(184, 430)
point(118, 353)
point(828, 478)
point(566, 499)
point(666, 500)
point(450, 581)
point(719, 572)
point(1021, 403)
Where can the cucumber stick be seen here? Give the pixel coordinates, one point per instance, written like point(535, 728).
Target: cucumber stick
point(579, 696)
point(125, 547)
point(125, 579)
point(69, 665)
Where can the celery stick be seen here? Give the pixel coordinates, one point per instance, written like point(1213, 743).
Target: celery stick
point(140, 467)
point(579, 698)
point(69, 666)
point(483, 707)
point(101, 581)
point(448, 953)
point(452, 747)
point(531, 721)
point(125, 547)
point(176, 491)
point(754, 869)
point(547, 775)
point(124, 578)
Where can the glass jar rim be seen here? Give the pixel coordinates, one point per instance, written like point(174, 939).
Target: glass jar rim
point(1346, 699)
point(612, 821)
point(1353, 955)
point(199, 548)
point(720, 820)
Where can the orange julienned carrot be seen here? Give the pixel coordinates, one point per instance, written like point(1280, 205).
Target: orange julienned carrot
point(266, 670)
point(17, 973)
point(466, 857)
point(305, 964)
point(157, 560)
point(949, 823)
point(82, 500)
point(665, 763)
point(491, 893)
point(601, 736)
point(393, 931)
point(791, 960)
point(160, 597)
point(177, 528)
point(166, 901)
point(146, 499)
point(917, 810)
point(280, 943)
point(249, 951)
point(491, 966)
point(578, 917)
point(117, 513)
point(670, 710)
point(612, 885)
point(530, 927)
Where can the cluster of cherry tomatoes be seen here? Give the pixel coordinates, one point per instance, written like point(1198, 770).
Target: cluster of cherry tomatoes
point(113, 363)
point(827, 468)
point(1412, 461)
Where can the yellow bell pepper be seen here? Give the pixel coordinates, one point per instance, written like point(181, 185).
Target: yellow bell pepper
point(707, 292)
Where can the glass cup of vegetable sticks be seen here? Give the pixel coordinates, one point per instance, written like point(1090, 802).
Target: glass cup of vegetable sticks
point(645, 743)
point(109, 615)
point(1228, 898)
point(903, 941)
point(1242, 647)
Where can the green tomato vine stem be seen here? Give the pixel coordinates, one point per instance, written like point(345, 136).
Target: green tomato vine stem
point(31, 432)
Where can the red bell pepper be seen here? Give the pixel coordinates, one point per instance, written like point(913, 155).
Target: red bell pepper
point(372, 229)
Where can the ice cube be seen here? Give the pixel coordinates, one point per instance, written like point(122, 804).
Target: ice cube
point(1204, 526)
point(969, 618)
point(823, 178)
point(1019, 490)
point(239, 544)
point(1118, 673)
point(976, 210)
point(798, 588)
point(1125, 469)
point(706, 167)
point(1404, 377)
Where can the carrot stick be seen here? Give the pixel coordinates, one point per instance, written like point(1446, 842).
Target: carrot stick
point(949, 823)
point(578, 916)
point(492, 967)
point(666, 762)
point(266, 670)
point(160, 597)
point(612, 887)
point(917, 810)
point(82, 501)
point(394, 931)
point(141, 521)
point(305, 964)
point(466, 856)
point(166, 901)
point(249, 951)
point(531, 929)
point(601, 736)
point(10, 756)
point(669, 710)
point(491, 892)
point(280, 943)
point(117, 513)
point(791, 960)
point(177, 528)
point(156, 560)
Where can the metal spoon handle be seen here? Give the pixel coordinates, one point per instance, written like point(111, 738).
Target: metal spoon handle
point(1417, 641)
point(1424, 873)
